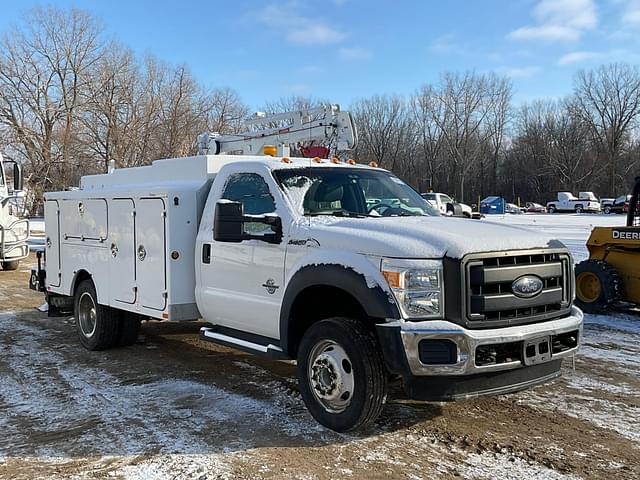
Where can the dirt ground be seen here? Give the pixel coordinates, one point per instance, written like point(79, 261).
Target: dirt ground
point(172, 406)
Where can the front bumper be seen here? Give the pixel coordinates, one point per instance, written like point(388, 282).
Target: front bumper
point(13, 245)
point(401, 339)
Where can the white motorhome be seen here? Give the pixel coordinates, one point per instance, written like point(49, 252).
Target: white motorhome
point(287, 257)
point(14, 231)
point(567, 202)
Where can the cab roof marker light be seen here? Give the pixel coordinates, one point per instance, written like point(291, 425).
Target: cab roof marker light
point(317, 159)
point(351, 161)
point(285, 160)
point(335, 160)
point(373, 164)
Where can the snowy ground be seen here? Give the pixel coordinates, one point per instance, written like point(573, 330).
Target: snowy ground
point(174, 407)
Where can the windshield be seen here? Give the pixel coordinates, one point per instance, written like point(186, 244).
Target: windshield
point(351, 192)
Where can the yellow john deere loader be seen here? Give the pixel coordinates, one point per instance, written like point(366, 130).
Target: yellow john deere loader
point(610, 278)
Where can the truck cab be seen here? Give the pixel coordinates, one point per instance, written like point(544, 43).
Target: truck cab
point(340, 266)
point(14, 231)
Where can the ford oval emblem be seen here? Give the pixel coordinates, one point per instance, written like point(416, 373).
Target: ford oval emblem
point(527, 286)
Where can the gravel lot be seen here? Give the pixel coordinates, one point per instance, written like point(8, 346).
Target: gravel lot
point(172, 406)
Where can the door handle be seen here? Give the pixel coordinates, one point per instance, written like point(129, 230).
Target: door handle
point(206, 253)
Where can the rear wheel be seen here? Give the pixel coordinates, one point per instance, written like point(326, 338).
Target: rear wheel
point(578, 208)
point(12, 265)
point(607, 209)
point(97, 325)
point(597, 285)
point(341, 374)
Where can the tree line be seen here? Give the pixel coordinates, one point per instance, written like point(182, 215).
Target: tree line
point(72, 101)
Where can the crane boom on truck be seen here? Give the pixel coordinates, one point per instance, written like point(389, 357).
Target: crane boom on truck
point(277, 132)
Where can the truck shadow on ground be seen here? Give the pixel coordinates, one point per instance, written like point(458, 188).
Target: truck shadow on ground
point(169, 393)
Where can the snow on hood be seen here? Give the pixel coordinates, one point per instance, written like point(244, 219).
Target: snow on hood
point(418, 237)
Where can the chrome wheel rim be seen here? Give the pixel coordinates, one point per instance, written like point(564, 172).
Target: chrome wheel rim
point(331, 376)
point(87, 314)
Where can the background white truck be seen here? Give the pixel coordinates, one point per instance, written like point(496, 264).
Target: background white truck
point(343, 267)
point(14, 231)
point(567, 202)
point(445, 204)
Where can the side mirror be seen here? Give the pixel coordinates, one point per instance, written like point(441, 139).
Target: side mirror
point(17, 177)
point(228, 225)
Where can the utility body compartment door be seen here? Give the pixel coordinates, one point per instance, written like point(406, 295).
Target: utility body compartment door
point(150, 253)
point(122, 267)
point(52, 232)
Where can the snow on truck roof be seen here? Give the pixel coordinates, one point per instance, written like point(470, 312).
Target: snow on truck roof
point(200, 168)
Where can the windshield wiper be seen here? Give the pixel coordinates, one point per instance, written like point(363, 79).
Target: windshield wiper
point(338, 213)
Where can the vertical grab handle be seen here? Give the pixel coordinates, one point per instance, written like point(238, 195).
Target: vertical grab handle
point(206, 253)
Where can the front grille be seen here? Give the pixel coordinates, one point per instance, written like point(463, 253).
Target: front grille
point(490, 300)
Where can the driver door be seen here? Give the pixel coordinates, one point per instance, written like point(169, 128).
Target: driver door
point(243, 282)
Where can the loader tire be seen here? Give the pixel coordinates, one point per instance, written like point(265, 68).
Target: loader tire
point(97, 325)
point(12, 265)
point(598, 286)
point(341, 373)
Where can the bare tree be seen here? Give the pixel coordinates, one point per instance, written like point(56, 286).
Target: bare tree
point(607, 99)
point(384, 128)
point(44, 67)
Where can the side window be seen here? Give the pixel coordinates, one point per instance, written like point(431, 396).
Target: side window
point(252, 191)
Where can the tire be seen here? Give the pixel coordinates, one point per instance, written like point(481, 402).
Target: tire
point(551, 208)
point(129, 329)
point(348, 348)
point(97, 325)
point(578, 208)
point(12, 265)
point(607, 209)
point(598, 286)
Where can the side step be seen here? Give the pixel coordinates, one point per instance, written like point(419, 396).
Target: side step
point(211, 334)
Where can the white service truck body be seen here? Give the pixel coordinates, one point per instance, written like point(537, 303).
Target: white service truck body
point(343, 267)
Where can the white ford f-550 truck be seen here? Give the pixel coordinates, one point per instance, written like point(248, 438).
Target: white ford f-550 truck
point(342, 267)
point(14, 231)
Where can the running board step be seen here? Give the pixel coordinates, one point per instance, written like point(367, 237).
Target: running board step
point(211, 335)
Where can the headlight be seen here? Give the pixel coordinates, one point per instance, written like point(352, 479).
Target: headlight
point(417, 286)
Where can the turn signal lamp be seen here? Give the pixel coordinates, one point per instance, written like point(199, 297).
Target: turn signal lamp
point(392, 278)
point(270, 150)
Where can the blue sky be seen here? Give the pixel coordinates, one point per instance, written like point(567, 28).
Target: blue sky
point(342, 50)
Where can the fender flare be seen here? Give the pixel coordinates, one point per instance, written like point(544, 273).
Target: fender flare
point(374, 300)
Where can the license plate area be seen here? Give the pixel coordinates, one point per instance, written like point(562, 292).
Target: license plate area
point(537, 350)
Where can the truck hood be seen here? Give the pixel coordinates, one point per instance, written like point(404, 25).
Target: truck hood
point(417, 237)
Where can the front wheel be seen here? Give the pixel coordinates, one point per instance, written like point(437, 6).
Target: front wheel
point(341, 374)
point(607, 209)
